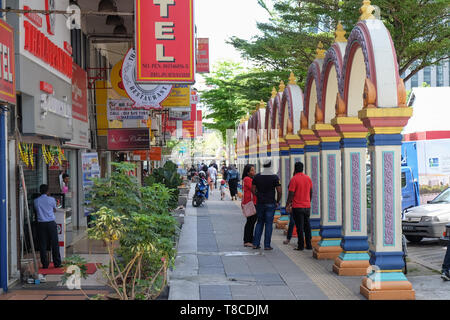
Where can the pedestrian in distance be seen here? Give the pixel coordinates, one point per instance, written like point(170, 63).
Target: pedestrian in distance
point(247, 180)
point(446, 265)
point(223, 186)
point(47, 230)
point(299, 199)
point(264, 186)
point(233, 179)
point(212, 173)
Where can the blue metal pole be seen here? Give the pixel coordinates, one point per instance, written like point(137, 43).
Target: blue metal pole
point(3, 204)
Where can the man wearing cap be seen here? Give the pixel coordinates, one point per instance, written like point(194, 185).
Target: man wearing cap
point(264, 185)
point(299, 199)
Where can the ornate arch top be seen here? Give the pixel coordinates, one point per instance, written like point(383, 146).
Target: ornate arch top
point(380, 62)
point(313, 78)
point(276, 109)
point(293, 101)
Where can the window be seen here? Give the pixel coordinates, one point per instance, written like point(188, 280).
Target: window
point(440, 75)
point(403, 179)
point(427, 75)
point(415, 81)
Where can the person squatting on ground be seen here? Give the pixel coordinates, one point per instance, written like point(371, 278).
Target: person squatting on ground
point(247, 179)
point(47, 230)
point(299, 199)
point(263, 186)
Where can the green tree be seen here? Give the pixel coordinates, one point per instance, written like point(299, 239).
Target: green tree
point(419, 30)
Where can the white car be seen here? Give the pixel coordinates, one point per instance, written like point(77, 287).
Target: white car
point(428, 220)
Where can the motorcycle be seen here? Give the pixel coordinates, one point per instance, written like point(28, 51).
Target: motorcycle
point(201, 190)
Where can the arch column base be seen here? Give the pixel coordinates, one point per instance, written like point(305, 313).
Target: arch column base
point(350, 267)
point(387, 290)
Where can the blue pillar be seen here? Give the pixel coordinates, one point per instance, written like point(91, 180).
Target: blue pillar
point(3, 204)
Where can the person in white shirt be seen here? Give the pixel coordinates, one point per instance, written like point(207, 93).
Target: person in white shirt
point(212, 173)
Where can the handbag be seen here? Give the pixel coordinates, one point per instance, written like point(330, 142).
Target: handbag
point(248, 209)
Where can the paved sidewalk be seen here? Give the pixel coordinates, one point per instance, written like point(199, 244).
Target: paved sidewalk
point(213, 264)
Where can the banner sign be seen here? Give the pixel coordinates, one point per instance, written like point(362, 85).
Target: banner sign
point(155, 153)
point(116, 79)
point(188, 129)
point(175, 115)
point(199, 124)
point(145, 96)
point(79, 94)
point(202, 55)
point(165, 41)
point(128, 139)
point(122, 109)
point(178, 97)
point(90, 168)
point(7, 64)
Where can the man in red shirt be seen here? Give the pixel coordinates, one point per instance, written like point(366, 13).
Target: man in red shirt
point(299, 199)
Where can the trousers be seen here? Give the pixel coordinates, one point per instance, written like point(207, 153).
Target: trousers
point(48, 234)
point(265, 213)
point(301, 218)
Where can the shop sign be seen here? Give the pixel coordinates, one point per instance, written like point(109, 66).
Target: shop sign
point(202, 55)
point(199, 124)
point(68, 47)
point(122, 109)
point(46, 87)
point(90, 168)
point(165, 41)
point(40, 46)
point(189, 129)
point(33, 17)
point(178, 97)
point(183, 114)
point(61, 108)
point(128, 139)
point(116, 79)
point(195, 99)
point(50, 18)
point(7, 75)
point(79, 93)
point(145, 96)
point(140, 155)
point(155, 153)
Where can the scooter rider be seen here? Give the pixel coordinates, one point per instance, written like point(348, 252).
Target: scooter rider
point(203, 182)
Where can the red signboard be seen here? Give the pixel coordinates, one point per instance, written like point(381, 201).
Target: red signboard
point(33, 17)
point(68, 47)
point(202, 55)
point(79, 94)
point(40, 46)
point(7, 73)
point(199, 124)
point(155, 153)
point(188, 129)
point(128, 139)
point(46, 87)
point(165, 41)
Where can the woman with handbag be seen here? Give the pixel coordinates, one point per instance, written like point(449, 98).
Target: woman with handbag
point(248, 204)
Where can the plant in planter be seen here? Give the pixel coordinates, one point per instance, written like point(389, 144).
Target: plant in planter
point(168, 176)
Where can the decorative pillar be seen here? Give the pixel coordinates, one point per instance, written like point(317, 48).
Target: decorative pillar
point(354, 260)
point(386, 281)
point(312, 166)
point(285, 173)
point(329, 247)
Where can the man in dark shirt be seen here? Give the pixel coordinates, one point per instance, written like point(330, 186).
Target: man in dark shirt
point(299, 199)
point(263, 186)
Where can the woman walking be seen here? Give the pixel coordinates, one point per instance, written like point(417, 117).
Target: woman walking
point(247, 178)
point(233, 179)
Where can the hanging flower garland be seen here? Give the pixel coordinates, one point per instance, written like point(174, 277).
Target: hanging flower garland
point(26, 154)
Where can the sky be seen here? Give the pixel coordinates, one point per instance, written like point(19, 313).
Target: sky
point(218, 20)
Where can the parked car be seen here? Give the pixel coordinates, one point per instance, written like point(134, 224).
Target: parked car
point(446, 235)
point(428, 220)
